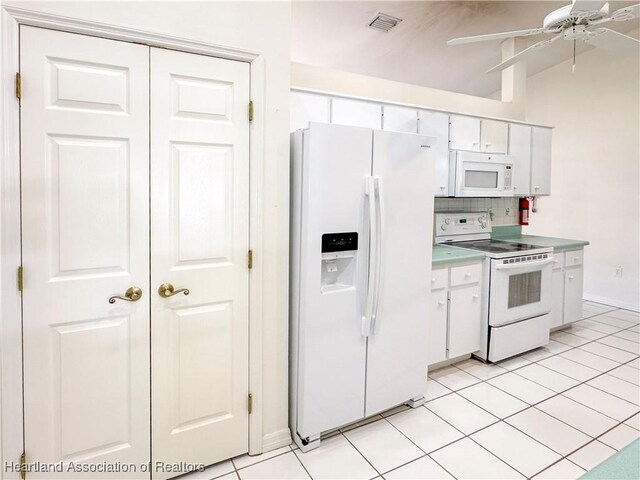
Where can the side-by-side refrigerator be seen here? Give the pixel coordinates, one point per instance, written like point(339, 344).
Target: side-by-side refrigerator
point(361, 241)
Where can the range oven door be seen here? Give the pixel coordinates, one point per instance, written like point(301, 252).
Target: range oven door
point(481, 175)
point(519, 289)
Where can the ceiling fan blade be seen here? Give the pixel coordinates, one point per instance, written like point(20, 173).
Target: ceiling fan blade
point(524, 53)
point(627, 13)
point(498, 36)
point(614, 42)
point(587, 5)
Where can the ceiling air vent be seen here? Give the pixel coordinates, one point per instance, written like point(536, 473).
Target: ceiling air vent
point(384, 22)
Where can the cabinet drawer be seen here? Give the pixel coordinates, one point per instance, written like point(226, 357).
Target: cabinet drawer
point(558, 260)
point(439, 278)
point(466, 274)
point(573, 257)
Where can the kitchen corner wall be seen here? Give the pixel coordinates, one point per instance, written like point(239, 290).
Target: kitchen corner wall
point(504, 211)
point(595, 187)
point(263, 27)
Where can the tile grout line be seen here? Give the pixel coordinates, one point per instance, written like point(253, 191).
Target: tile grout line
point(362, 454)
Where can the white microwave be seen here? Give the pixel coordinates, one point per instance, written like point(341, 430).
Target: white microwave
point(480, 174)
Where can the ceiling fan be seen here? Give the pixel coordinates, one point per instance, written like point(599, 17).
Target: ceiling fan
point(572, 22)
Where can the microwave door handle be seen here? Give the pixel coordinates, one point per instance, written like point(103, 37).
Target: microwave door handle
point(515, 266)
point(372, 227)
point(378, 252)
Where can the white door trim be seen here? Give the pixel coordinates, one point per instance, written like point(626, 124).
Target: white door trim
point(11, 431)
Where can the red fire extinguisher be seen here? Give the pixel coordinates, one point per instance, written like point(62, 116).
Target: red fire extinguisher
point(524, 211)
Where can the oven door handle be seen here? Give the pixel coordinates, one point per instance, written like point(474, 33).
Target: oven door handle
point(514, 266)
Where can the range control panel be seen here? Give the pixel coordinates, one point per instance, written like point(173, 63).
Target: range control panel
point(461, 223)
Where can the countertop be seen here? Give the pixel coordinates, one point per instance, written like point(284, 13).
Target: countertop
point(445, 255)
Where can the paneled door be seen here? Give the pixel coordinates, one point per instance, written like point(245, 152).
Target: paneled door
point(85, 232)
point(199, 245)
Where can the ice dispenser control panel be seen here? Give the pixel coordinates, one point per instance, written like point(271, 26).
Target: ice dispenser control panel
point(338, 261)
point(339, 242)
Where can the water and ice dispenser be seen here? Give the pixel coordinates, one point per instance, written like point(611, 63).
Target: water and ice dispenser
point(339, 251)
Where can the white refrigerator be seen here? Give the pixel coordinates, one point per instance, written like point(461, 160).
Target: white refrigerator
point(361, 241)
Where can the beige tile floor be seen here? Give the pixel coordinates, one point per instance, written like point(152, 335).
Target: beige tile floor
point(555, 412)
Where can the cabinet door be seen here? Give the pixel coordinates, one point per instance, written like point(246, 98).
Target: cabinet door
point(308, 107)
point(464, 133)
point(573, 294)
point(436, 124)
point(400, 119)
point(357, 113)
point(464, 320)
point(540, 161)
point(493, 136)
point(520, 149)
point(437, 339)
point(557, 298)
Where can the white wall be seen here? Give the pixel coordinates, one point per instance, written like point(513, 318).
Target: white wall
point(595, 168)
point(263, 27)
point(353, 84)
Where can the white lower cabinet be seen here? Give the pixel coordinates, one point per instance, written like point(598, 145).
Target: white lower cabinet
point(572, 294)
point(455, 314)
point(557, 298)
point(567, 280)
point(465, 309)
point(437, 351)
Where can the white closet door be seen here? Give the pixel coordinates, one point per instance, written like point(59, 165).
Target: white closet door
point(85, 221)
point(199, 241)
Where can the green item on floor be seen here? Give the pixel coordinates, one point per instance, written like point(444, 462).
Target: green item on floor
point(623, 465)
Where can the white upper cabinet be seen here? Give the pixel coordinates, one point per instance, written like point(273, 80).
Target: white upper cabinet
point(308, 107)
point(520, 150)
point(436, 124)
point(494, 135)
point(357, 113)
point(400, 119)
point(540, 161)
point(478, 135)
point(464, 133)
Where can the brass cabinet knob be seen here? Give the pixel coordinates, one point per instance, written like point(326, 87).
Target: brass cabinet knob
point(133, 294)
point(167, 290)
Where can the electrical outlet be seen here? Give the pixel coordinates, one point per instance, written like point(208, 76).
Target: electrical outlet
point(618, 271)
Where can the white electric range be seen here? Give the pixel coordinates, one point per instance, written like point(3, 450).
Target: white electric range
point(516, 287)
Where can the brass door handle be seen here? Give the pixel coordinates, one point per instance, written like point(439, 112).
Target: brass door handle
point(167, 290)
point(133, 294)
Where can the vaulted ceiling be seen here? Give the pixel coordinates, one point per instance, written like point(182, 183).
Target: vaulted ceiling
point(335, 34)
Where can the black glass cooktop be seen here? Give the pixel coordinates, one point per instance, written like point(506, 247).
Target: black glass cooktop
point(497, 246)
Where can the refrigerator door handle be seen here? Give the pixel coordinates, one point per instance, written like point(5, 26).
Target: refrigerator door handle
point(377, 252)
point(372, 226)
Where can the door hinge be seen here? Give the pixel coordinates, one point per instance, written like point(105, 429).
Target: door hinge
point(250, 259)
point(251, 111)
point(18, 86)
point(23, 466)
point(20, 279)
point(250, 403)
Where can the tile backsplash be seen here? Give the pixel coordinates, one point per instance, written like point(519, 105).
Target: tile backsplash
point(504, 210)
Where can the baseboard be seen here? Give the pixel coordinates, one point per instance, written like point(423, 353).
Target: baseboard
point(613, 303)
point(274, 440)
point(445, 363)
